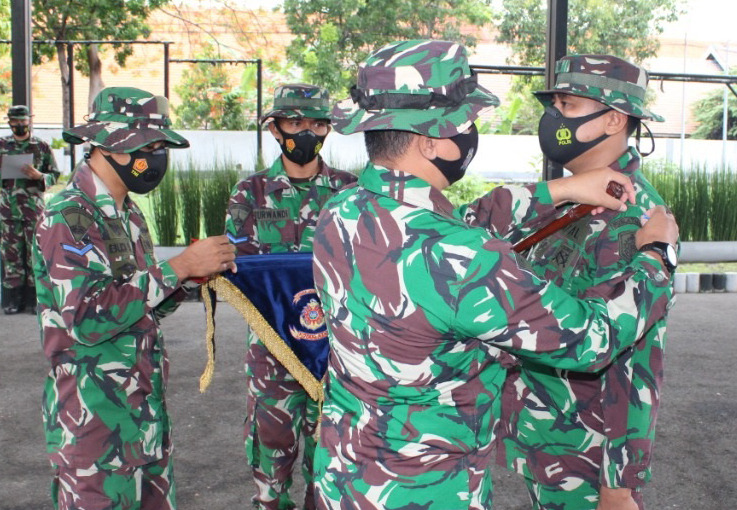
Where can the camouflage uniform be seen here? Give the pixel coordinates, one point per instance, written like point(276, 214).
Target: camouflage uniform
point(570, 433)
point(271, 213)
point(21, 201)
point(419, 305)
point(101, 295)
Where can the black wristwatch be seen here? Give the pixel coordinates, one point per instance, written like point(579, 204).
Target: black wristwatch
point(666, 252)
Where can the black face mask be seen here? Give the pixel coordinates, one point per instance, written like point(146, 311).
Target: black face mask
point(455, 169)
point(302, 147)
point(557, 135)
point(144, 171)
point(19, 129)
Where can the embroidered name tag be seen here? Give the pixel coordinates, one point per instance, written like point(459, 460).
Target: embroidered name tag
point(271, 214)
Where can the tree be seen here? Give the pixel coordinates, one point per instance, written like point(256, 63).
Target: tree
point(626, 28)
point(5, 70)
point(60, 20)
point(709, 113)
point(208, 100)
point(333, 36)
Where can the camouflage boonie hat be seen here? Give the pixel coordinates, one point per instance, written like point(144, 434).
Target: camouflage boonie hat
point(298, 100)
point(604, 78)
point(422, 86)
point(19, 111)
point(124, 119)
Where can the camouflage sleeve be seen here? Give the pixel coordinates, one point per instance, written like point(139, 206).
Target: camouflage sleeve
point(630, 402)
point(240, 223)
point(88, 302)
point(511, 212)
point(48, 167)
point(630, 385)
point(506, 304)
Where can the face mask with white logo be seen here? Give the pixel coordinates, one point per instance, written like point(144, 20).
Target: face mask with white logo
point(557, 135)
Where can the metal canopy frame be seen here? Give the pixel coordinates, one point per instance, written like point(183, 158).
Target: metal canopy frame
point(215, 61)
point(24, 88)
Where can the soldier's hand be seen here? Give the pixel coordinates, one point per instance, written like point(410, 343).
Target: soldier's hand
point(591, 188)
point(205, 258)
point(658, 225)
point(32, 173)
point(616, 499)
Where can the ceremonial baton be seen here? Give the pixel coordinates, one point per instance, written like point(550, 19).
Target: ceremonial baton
point(575, 213)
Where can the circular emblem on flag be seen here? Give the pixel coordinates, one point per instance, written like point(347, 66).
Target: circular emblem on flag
point(312, 317)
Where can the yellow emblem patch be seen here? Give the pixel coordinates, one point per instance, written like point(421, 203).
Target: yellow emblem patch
point(139, 166)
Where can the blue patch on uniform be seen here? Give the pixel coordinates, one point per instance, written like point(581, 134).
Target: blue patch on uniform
point(237, 240)
point(78, 251)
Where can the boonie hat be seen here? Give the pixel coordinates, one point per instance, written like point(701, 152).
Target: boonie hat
point(422, 86)
point(19, 111)
point(124, 119)
point(296, 100)
point(604, 78)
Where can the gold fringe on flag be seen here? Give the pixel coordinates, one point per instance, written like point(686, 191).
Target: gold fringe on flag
point(273, 342)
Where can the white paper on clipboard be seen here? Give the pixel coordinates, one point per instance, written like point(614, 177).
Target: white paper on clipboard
point(12, 164)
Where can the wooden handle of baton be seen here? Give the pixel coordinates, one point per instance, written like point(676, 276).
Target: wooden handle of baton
point(573, 214)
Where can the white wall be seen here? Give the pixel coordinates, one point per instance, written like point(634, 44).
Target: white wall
point(500, 157)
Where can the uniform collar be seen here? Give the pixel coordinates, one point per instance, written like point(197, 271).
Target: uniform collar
point(405, 188)
point(277, 178)
point(628, 162)
point(91, 185)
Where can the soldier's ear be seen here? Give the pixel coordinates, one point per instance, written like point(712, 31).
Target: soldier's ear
point(275, 132)
point(427, 146)
point(615, 122)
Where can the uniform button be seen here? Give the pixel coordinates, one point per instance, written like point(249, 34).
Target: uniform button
point(659, 277)
point(642, 474)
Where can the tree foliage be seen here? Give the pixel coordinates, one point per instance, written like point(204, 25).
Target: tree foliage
point(5, 69)
point(626, 28)
point(709, 113)
point(60, 20)
point(209, 101)
point(333, 36)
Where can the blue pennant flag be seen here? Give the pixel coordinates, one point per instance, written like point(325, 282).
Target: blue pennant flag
point(280, 286)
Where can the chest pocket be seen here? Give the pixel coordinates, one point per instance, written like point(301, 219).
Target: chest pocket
point(276, 226)
point(119, 248)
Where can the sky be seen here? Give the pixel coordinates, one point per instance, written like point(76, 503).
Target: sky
point(707, 20)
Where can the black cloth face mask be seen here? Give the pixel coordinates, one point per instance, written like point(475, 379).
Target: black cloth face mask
point(19, 129)
point(302, 147)
point(468, 143)
point(144, 171)
point(557, 135)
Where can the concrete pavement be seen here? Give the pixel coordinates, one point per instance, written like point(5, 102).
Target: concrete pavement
point(695, 460)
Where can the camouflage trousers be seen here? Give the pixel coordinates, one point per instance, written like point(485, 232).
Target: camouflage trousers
point(149, 487)
point(583, 496)
point(19, 211)
point(278, 413)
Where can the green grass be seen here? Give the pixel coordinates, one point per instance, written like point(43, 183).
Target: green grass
point(708, 267)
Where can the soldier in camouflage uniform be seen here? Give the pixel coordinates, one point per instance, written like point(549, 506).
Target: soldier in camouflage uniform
point(419, 304)
point(275, 211)
point(582, 439)
point(21, 201)
point(101, 295)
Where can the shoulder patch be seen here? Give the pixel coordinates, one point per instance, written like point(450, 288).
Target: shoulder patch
point(239, 213)
point(78, 220)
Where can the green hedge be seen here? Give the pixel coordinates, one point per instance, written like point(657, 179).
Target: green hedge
point(702, 201)
point(191, 202)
